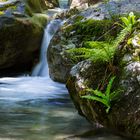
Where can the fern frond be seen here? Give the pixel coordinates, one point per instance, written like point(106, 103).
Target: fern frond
point(95, 98)
point(96, 92)
point(125, 21)
point(122, 35)
point(96, 51)
point(108, 89)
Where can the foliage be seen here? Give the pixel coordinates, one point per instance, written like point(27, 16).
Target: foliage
point(105, 98)
point(1, 12)
point(93, 29)
point(33, 6)
point(95, 51)
point(103, 51)
point(129, 21)
point(39, 19)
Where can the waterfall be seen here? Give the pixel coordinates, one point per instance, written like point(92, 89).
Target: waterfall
point(42, 67)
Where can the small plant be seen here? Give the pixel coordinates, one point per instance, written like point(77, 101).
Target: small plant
point(104, 98)
point(96, 51)
point(129, 21)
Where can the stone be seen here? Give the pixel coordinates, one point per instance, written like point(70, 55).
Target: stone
point(69, 36)
point(124, 115)
point(20, 41)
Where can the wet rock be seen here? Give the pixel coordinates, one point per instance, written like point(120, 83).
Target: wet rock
point(20, 41)
point(9, 7)
point(124, 115)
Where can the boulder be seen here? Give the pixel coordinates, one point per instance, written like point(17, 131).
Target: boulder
point(21, 31)
point(72, 34)
point(91, 24)
point(26, 7)
point(124, 115)
point(20, 41)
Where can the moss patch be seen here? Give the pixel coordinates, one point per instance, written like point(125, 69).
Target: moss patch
point(104, 30)
point(39, 19)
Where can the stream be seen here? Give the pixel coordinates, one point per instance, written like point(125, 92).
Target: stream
point(36, 108)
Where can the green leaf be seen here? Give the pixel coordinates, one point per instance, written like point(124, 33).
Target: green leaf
point(107, 110)
point(125, 21)
point(103, 101)
point(133, 20)
point(109, 86)
point(96, 92)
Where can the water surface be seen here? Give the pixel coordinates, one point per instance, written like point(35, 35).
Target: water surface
point(35, 108)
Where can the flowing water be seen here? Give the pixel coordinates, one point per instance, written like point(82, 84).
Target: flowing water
point(42, 68)
point(63, 4)
point(36, 108)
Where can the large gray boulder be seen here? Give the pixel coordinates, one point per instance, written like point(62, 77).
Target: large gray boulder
point(124, 115)
point(71, 33)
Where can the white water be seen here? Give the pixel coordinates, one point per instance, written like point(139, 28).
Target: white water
point(42, 68)
point(39, 85)
point(63, 4)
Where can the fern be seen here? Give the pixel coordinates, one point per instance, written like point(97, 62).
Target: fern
point(96, 51)
point(102, 51)
point(104, 98)
point(129, 21)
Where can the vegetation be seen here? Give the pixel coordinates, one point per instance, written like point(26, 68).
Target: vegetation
point(104, 52)
point(94, 30)
point(130, 21)
point(34, 6)
point(39, 19)
point(104, 98)
point(93, 50)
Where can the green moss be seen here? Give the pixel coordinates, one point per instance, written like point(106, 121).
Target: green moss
point(1, 12)
point(39, 19)
point(33, 6)
point(94, 29)
point(78, 18)
point(11, 5)
point(94, 44)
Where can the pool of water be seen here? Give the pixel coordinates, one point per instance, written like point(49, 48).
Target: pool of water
point(35, 108)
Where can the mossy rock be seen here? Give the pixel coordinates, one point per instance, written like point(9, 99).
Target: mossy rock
point(124, 115)
point(20, 41)
point(73, 34)
point(101, 30)
point(38, 6)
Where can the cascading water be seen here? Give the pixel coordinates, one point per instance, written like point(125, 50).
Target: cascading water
point(42, 68)
point(63, 4)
